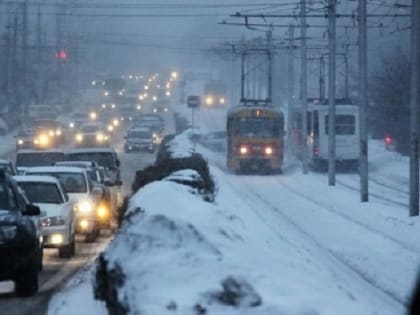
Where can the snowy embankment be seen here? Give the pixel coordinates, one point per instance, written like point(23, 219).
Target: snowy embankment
point(178, 254)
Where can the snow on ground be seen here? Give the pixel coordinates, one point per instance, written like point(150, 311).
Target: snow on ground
point(77, 297)
point(303, 248)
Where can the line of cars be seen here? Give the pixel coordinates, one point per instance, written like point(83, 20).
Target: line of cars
point(56, 196)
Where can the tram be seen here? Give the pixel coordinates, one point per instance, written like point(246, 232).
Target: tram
point(347, 137)
point(255, 139)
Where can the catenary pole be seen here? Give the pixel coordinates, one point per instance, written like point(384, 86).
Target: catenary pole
point(331, 90)
point(304, 85)
point(414, 108)
point(290, 86)
point(363, 99)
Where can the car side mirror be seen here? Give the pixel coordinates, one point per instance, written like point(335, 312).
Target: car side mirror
point(66, 197)
point(117, 163)
point(118, 183)
point(107, 182)
point(32, 210)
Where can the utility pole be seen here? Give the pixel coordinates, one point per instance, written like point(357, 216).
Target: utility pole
point(331, 90)
point(25, 64)
point(322, 78)
point(363, 99)
point(346, 73)
point(13, 73)
point(38, 46)
point(304, 86)
point(291, 76)
point(414, 108)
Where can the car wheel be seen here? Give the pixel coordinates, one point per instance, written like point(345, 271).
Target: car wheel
point(66, 251)
point(91, 237)
point(26, 283)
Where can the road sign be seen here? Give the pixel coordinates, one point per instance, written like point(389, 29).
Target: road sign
point(193, 101)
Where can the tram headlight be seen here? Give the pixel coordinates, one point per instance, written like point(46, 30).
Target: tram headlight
point(243, 150)
point(268, 150)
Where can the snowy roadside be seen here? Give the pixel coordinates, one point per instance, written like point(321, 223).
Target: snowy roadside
point(182, 255)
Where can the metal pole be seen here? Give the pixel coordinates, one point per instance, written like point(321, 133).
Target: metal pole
point(291, 82)
point(331, 91)
point(321, 78)
point(242, 77)
point(346, 73)
point(414, 108)
point(304, 86)
point(364, 189)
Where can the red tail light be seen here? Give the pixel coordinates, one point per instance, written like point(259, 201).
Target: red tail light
point(388, 140)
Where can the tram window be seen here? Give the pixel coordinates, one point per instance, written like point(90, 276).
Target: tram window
point(344, 124)
point(309, 122)
point(257, 127)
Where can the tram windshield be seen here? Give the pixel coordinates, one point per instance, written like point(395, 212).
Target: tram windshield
point(257, 127)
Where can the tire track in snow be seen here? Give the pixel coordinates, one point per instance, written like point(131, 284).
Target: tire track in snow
point(361, 273)
point(312, 240)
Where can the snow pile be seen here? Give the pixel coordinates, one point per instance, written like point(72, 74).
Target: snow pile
point(181, 146)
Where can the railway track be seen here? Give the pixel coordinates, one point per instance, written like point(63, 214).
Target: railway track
point(354, 271)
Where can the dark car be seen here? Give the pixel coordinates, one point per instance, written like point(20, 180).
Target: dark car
point(20, 240)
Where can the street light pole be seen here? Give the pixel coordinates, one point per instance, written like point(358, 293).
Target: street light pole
point(364, 189)
point(414, 108)
point(304, 86)
point(331, 90)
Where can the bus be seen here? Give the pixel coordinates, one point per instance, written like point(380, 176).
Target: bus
point(255, 139)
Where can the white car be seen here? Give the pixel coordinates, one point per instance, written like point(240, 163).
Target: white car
point(57, 216)
point(81, 192)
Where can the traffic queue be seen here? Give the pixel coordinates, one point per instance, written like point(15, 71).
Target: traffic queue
point(65, 184)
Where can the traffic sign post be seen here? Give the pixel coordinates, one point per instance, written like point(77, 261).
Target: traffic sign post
point(193, 102)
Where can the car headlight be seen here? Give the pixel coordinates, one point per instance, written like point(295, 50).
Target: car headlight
point(8, 232)
point(209, 100)
point(71, 125)
point(53, 221)
point(20, 141)
point(100, 137)
point(222, 100)
point(79, 137)
point(58, 132)
point(51, 133)
point(84, 207)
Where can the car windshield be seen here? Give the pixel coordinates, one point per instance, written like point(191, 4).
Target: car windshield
point(38, 192)
point(105, 159)
point(71, 182)
point(38, 158)
point(139, 134)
